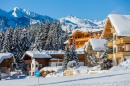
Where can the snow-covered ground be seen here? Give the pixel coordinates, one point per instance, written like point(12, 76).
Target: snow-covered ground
point(117, 78)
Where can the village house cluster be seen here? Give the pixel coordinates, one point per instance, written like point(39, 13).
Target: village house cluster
point(113, 41)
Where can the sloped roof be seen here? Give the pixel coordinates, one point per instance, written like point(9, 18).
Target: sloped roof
point(5, 56)
point(37, 54)
point(121, 23)
point(98, 44)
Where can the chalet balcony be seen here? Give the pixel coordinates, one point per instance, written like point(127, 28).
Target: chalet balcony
point(81, 39)
point(122, 40)
point(122, 54)
point(110, 44)
point(119, 55)
point(110, 56)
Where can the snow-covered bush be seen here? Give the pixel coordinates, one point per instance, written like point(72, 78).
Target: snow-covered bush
point(125, 65)
point(72, 64)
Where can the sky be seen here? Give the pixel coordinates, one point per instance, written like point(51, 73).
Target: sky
point(84, 9)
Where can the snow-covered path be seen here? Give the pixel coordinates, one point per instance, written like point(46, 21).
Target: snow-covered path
point(115, 78)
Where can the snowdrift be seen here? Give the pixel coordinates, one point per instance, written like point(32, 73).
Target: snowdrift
point(122, 66)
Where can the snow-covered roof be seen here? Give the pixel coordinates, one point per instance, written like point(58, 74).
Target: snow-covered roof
point(5, 56)
point(98, 44)
point(37, 54)
point(56, 59)
point(80, 50)
point(86, 30)
point(55, 52)
point(66, 42)
point(121, 23)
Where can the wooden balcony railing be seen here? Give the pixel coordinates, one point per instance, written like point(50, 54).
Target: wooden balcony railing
point(110, 56)
point(82, 39)
point(122, 54)
point(110, 44)
point(122, 40)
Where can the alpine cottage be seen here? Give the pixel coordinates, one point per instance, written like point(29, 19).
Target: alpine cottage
point(117, 32)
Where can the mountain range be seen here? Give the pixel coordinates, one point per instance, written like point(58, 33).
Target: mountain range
point(22, 17)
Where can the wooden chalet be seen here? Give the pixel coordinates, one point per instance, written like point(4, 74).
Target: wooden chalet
point(36, 60)
point(80, 37)
point(117, 32)
point(6, 60)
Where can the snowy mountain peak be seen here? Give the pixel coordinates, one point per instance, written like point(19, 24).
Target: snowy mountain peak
point(19, 12)
point(77, 23)
point(24, 17)
point(16, 8)
point(21, 17)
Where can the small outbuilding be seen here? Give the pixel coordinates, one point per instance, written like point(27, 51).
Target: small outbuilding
point(95, 49)
point(35, 60)
point(6, 60)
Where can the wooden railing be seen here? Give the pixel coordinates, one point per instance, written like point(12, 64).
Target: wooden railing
point(122, 54)
point(118, 41)
point(110, 44)
point(82, 39)
point(110, 56)
point(122, 40)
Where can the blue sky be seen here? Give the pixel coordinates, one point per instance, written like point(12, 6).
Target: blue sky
point(90, 9)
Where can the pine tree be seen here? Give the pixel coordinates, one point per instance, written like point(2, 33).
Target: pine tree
point(36, 46)
point(66, 57)
point(49, 42)
point(1, 39)
point(45, 32)
point(25, 40)
point(8, 44)
point(57, 39)
point(74, 54)
point(17, 49)
point(54, 40)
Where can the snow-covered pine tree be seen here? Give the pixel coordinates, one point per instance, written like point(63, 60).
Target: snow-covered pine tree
point(17, 49)
point(45, 32)
point(66, 57)
point(74, 54)
point(1, 39)
point(8, 44)
point(25, 40)
point(49, 45)
point(54, 40)
point(57, 39)
point(36, 46)
point(32, 33)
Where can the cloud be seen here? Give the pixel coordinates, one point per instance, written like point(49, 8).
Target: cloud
point(119, 10)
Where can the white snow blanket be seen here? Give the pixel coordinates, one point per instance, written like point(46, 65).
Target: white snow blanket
point(5, 56)
point(4, 75)
point(125, 65)
point(98, 44)
point(122, 66)
point(56, 69)
point(116, 78)
point(121, 23)
point(38, 54)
